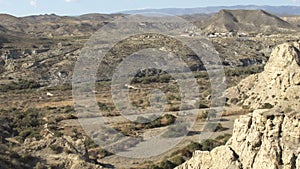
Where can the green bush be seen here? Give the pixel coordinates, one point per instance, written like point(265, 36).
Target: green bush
point(208, 145)
point(193, 146)
point(58, 134)
point(180, 156)
point(153, 166)
point(158, 122)
point(177, 160)
point(24, 124)
point(166, 164)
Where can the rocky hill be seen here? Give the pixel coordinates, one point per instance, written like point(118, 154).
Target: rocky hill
point(257, 21)
point(45, 47)
point(277, 86)
point(54, 25)
point(266, 138)
point(292, 19)
point(60, 152)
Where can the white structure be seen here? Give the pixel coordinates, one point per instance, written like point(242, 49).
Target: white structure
point(49, 94)
point(130, 87)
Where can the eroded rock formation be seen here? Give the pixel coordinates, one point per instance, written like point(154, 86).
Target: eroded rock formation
point(277, 86)
point(266, 139)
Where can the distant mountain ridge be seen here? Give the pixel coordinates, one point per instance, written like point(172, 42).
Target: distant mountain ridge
point(258, 21)
point(278, 10)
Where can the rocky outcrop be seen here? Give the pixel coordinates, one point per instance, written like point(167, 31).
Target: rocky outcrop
point(277, 86)
point(59, 151)
point(266, 139)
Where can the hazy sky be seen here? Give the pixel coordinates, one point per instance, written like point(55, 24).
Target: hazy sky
point(77, 7)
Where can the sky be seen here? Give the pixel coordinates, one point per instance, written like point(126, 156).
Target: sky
point(77, 7)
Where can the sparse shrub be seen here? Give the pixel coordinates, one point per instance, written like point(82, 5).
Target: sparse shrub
point(56, 148)
point(174, 108)
point(58, 134)
point(63, 87)
point(214, 127)
point(288, 109)
point(194, 146)
point(223, 138)
point(165, 120)
point(71, 116)
point(88, 142)
point(67, 151)
point(208, 145)
point(203, 105)
point(102, 106)
point(39, 165)
point(68, 109)
point(131, 128)
point(177, 130)
point(153, 166)
point(165, 78)
point(166, 164)
point(203, 115)
point(245, 106)
point(29, 133)
point(178, 160)
point(27, 157)
point(267, 106)
point(20, 85)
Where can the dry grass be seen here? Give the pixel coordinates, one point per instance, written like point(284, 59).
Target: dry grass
point(63, 103)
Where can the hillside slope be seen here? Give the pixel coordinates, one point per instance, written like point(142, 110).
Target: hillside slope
point(267, 138)
point(257, 21)
point(277, 86)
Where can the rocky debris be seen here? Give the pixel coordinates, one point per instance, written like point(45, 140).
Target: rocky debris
point(59, 151)
point(277, 86)
point(266, 139)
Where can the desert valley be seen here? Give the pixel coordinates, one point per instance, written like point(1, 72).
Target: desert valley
point(43, 126)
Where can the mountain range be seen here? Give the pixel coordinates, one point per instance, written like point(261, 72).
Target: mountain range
point(278, 10)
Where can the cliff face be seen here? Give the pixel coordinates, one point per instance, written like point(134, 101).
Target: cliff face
point(266, 139)
point(277, 86)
